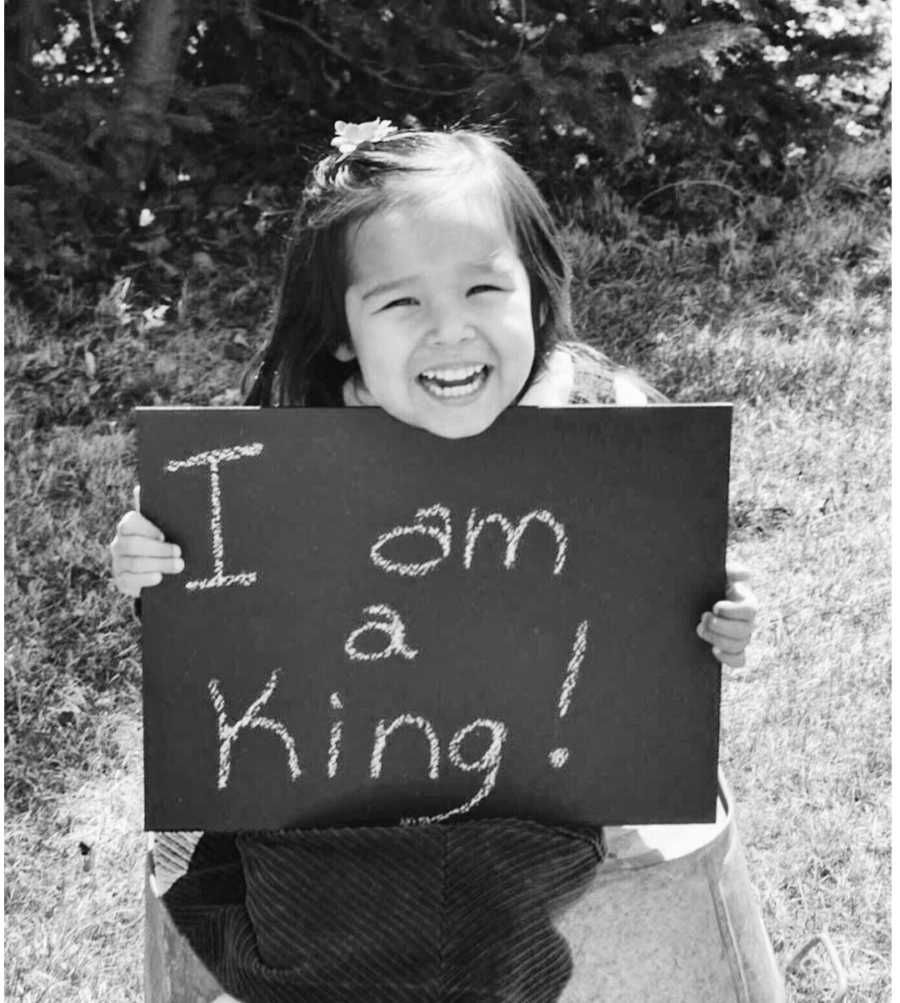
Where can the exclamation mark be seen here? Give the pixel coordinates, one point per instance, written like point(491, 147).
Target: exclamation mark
point(559, 757)
point(334, 746)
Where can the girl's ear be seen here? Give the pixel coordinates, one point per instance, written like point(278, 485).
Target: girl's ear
point(344, 352)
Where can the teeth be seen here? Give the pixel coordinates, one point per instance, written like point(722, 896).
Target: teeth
point(449, 391)
point(454, 382)
point(452, 375)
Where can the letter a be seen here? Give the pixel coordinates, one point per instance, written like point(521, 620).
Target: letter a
point(391, 626)
point(439, 533)
point(229, 732)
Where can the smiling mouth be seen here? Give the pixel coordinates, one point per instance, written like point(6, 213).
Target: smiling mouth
point(456, 381)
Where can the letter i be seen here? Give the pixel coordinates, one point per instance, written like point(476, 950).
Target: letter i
point(334, 747)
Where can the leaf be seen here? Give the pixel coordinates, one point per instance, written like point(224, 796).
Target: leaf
point(202, 261)
point(198, 124)
point(229, 100)
point(675, 48)
point(154, 246)
point(171, 270)
point(165, 365)
point(24, 142)
point(238, 349)
point(153, 317)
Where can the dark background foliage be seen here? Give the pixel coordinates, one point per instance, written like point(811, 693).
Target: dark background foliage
point(686, 110)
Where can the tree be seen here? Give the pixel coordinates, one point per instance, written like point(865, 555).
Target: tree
point(140, 125)
point(120, 106)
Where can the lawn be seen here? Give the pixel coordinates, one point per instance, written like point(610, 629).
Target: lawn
point(782, 309)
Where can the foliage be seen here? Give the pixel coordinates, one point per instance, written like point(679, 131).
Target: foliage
point(639, 99)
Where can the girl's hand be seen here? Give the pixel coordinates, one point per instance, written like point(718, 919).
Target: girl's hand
point(140, 555)
point(729, 626)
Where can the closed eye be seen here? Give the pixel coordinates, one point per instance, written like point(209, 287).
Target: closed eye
point(401, 301)
point(483, 289)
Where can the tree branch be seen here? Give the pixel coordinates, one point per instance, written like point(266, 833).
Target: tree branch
point(685, 184)
point(368, 70)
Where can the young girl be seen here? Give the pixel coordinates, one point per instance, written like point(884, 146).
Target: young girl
point(425, 276)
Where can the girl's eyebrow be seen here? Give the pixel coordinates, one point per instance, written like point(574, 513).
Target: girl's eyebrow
point(494, 263)
point(387, 287)
point(489, 264)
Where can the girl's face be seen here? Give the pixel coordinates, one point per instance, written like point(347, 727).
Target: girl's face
point(439, 313)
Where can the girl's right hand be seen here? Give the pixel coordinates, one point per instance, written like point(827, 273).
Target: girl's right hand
point(140, 555)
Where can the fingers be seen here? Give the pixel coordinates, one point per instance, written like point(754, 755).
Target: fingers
point(735, 571)
point(141, 564)
point(131, 574)
point(143, 553)
point(131, 583)
point(143, 546)
point(729, 627)
point(729, 638)
point(737, 661)
point(134, 524)
point(740, 603)
point(140, 554)
point(719, 629)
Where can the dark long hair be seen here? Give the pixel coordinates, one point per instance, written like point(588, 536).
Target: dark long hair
point(298, 365)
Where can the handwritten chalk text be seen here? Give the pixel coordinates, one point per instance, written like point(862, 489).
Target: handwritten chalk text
point(384, 731)
point(382, 634)
point(560, 756)
point(487, 763)
point(514, 535)
point(334, 743)
point(228, 733)
point(441, 534)
point(212, 458)
point(435, 523)
point(388, 623)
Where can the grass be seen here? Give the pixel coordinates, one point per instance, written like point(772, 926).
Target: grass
point(806, 730)
point(782, 309)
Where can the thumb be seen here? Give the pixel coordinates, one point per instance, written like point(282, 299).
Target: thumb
point(737, 572)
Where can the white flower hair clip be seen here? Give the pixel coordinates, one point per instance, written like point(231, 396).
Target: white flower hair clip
point(348, 135)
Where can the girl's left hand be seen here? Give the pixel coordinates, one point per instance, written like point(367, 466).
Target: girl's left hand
point(730, 624)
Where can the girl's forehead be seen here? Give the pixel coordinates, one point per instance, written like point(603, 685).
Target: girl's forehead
point(466, 229)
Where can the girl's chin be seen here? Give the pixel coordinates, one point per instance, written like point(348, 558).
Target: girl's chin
point(450, 422)
point(459, 423)
point(459, 431)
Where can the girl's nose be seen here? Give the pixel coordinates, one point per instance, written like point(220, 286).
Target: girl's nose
point(448, 324)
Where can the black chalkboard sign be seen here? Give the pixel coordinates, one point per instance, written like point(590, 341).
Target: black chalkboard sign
point(376, 625)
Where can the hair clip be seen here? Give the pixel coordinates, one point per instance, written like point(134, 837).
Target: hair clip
point(348, 135)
